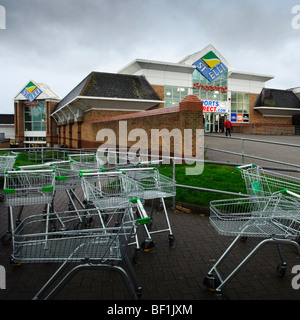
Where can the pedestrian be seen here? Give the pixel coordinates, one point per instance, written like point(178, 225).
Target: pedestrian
point(228, 126)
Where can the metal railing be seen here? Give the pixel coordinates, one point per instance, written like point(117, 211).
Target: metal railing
point(243, 155)
point(44, 154)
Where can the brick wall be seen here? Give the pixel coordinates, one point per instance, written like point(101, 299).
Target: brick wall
point(264, 125)
point(19, 123)
point(188, 115)
point(51, 128)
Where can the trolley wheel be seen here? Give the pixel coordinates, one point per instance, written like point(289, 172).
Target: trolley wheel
point(6, 239)
point(211, 282)
point(14, 263)
point(159, 206)
point(281, 269)
point(219, 294)
point(88, 221)
point(171, 240)
point(244, 239)
point(147, 245)
point(139, 293)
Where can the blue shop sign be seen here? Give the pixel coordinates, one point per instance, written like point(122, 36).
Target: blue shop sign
point(210, 66)
point(233, 117)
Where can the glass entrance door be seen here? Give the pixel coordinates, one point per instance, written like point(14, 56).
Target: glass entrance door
point(212, 122)
point(215, 122)
point(207, 122)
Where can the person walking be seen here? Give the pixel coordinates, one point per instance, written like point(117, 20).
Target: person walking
point(228, 126)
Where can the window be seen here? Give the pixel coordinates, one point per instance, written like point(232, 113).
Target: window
point(173, 95)
point(35, 116)
point(201, 84)
point(240, 104)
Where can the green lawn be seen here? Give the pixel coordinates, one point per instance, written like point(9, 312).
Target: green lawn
point(218, 177)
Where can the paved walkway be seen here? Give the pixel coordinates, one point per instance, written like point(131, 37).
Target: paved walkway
point(167, 273)
point(285, 154)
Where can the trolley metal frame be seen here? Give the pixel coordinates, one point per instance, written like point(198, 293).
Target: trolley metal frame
point(85, 162)
point(7, 163)
point(96, 247)
point(155, 186)
point(65, 180)
point(27, 188)
point(275, 219)
point(262, 182)
point(112, 190)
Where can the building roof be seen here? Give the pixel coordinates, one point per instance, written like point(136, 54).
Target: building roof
point(6, 119)
point(47, 92)
point(106, 91)
point(111, 86)
point(190, 59)
point(142, 64)
point(275, 102)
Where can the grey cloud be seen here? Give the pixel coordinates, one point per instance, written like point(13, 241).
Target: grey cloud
point(60, 42)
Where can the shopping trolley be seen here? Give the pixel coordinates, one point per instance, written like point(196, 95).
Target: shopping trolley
point(114, 160)
point(93, 248)
point(85, 161)
point(26, 188)
point(7, 163)
point(155, 186)
point(275, 219)
point(111, 190)
point(262, 182)
point(66, 179)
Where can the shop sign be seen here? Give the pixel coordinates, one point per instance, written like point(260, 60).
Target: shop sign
point(32, 104)
point(239, 117)
point(233, 117)
point(246, 117)
point(31, 91)
point(210, 66)
point(214, 106)
point(210, 88)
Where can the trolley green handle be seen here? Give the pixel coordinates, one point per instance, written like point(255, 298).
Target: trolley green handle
point(144, 216)
point(252, 165)
point(290, 193)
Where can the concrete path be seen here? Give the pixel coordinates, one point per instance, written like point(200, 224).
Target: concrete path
point(286, 154)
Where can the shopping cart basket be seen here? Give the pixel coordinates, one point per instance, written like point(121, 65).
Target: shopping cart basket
point(85, 162)
point(114, 160)
point(27, 188)
point(275, 219)
point(7, 162)
point(66, 179)
point(155, 186)
point(94, 248)
point(110, 190)
point(262, 182)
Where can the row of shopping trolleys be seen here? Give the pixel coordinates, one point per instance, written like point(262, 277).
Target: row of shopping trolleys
point(97, 234)
point(270, 212)
point(95, 230)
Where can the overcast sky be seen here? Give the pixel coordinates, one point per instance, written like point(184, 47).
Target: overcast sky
point(61, 42)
